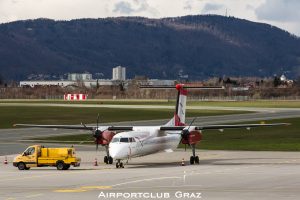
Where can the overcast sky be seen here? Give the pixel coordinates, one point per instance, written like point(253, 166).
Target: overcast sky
point(282, 13)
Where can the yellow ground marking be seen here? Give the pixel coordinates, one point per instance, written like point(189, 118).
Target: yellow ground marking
point(96, 187)
point(84, 188)
point(70, 190)
point(10, 198)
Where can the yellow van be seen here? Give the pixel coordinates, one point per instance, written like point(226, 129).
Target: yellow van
point(39, 156)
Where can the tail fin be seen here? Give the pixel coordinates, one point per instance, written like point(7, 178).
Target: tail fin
point(179, 115)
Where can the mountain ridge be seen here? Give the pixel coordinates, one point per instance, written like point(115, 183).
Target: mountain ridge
point(201, 46)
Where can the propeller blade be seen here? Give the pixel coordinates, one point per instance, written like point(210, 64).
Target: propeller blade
point(192, 122)
point(98, 120)
point(186, 132)
point(97, 146)
point(84, 125)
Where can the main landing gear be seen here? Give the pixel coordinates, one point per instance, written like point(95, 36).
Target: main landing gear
point(107, 159)
point(194, 159)
point(119, 164)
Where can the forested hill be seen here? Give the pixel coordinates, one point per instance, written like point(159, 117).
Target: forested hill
point(200, 46)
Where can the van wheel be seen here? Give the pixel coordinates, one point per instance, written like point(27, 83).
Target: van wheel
point(66, 167)
point(60, 165)
point(21, 166)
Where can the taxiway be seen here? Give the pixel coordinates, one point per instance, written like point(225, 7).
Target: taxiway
point(220, 175)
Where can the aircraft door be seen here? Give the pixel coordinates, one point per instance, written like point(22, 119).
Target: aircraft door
point(138, 145)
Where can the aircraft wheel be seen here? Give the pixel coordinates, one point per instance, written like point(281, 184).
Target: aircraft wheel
point(192, 160)
point(110, 160)
point(197, 160)
point(105, 160)
point(121, 165)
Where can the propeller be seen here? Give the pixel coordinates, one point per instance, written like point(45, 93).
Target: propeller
point(186, 133)
point(97, 134)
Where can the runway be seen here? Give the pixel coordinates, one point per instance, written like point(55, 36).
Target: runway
point(220, 175)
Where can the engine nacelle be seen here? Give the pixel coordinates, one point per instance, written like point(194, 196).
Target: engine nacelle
point(106, 137)
point(193, 138)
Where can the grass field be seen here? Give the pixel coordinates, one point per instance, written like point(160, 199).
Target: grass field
point(258, 103)
point(10, 115)
point(283, 138)
point(280, 138)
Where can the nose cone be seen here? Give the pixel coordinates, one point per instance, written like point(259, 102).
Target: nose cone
point(118, 151)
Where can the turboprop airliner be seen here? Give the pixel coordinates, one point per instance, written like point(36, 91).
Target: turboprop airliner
point(126, 142)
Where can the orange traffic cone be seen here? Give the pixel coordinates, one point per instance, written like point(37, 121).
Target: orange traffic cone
point(5, 161)
point(95, 162)
point(182, 162)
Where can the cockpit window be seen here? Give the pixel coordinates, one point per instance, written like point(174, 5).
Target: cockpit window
point(124, 140)
point(116, 139)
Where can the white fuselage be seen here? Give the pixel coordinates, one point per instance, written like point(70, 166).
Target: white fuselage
point(142, 141)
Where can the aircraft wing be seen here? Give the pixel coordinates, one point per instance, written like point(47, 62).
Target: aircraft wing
point(220, 127)
point(80, 127)
point(162, 128)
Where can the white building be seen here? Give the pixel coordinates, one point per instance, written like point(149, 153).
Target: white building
point(283, 78)
point(79, 77)
point(119, 73)
point(46, 83)
point(65, 83)
point(156, 82)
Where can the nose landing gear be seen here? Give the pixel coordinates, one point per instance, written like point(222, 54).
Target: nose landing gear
point(119, 164)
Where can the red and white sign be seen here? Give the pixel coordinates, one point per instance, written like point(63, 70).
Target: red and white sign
point(75, 97)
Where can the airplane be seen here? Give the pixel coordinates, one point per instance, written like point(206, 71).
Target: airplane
point(126, 142)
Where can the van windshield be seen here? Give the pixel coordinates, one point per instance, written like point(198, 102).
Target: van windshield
point(30, 151)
